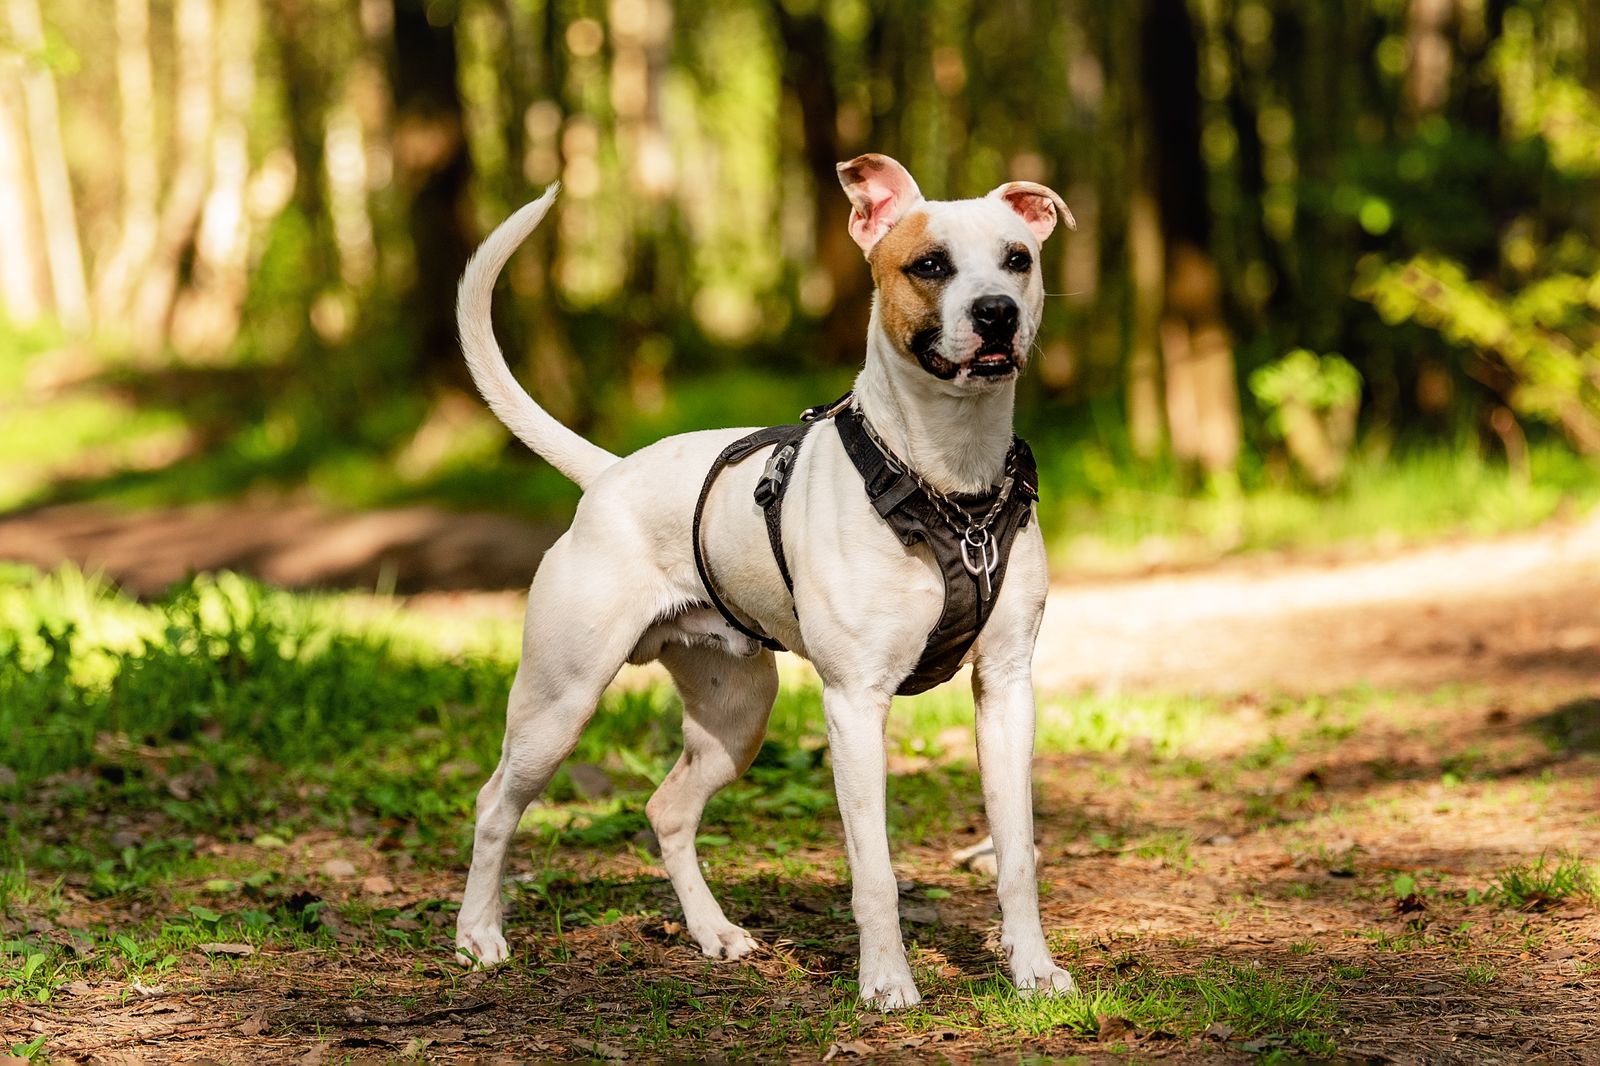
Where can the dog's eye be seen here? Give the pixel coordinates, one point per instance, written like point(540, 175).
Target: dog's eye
point(934, 265)
point(1019, 261)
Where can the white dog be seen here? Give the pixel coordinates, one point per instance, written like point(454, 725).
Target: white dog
point(957, 305)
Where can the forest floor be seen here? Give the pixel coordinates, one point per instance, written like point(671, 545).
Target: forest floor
point(1287, 809)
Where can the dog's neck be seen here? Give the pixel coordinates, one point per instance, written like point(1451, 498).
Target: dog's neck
point(957, 442)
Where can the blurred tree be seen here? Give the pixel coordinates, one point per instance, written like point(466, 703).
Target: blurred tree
point(57, 211)
point(1202, 393)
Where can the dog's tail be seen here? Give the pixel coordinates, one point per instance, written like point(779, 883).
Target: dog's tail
point(569, 453)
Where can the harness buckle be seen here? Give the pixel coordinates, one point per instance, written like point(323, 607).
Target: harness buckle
point(773, 475)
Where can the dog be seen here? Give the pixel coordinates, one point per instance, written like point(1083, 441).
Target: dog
point(957, 303)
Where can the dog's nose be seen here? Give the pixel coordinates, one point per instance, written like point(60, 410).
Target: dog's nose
point(994, 315)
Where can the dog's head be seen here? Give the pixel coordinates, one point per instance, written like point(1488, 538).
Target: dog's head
point(958, 283)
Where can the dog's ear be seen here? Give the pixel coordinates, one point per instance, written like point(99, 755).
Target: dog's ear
point(1037, 205)
point(880, 191)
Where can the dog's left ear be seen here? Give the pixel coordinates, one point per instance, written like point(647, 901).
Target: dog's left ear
point(1038, 206)
point(881, 191)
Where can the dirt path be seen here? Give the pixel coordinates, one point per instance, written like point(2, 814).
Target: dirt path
point(1521, 609)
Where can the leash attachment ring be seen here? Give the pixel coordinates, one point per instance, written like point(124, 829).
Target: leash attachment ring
point(977, 540)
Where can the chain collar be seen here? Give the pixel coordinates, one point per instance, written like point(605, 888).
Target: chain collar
point(954, 515)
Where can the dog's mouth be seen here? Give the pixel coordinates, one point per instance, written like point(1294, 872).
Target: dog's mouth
point(993, 361)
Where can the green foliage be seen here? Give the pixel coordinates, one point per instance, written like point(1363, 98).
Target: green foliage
point(1546, 882)
point(1317, 382)
point(1543, 97)
point(1102, 512)
point(1547, 335)
point(1311, 403)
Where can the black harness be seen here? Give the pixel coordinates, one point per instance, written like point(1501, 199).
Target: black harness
point(970, 534)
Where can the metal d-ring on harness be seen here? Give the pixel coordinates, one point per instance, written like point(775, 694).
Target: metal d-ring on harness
point(970, 535)
point(976, 538)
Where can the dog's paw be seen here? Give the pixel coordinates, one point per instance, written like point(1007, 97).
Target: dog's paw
point(889, 992)
point(725, 942)
point(481, 948)
point(1046, 980)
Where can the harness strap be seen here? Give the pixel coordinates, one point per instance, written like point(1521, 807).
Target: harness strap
point(769, 494)
point(906, 509)
point(904, 505)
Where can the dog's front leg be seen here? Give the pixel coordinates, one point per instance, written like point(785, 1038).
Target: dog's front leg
point(855, 742)
point(1004, 694)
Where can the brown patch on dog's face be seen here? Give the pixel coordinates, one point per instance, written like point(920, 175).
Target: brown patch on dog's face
point(908, 296)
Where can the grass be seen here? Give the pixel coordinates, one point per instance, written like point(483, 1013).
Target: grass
point(233, 764)
point(1546, 882)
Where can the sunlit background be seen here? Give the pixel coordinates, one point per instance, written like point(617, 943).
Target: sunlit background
point(1334, 279)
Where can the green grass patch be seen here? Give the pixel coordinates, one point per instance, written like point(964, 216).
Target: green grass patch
point(1545, 883)
point(1248, 1000)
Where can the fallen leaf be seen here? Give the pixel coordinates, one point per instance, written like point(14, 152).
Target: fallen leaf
point(853, 1049)
point(452, 1035)
point(920, 914)
point(254, 1025)
point(338, 868)
point(377, 885)
point(1218, 1031)
point(1112, 1027)
point(238, 951)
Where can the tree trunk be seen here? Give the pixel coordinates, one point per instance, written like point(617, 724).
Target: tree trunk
point(206, 317)
point(194, 25)
point(808, 78)
point(432, 169)
point(1201, 391)
point(141, 176)
point(52, 183)
point(1144, 346)
point(1428, 77)
point(24, 280)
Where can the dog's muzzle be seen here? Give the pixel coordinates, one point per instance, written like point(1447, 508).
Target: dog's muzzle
point(994, 320)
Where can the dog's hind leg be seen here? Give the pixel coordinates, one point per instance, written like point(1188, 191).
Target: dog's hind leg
point(578, 632)
point(726, 703)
